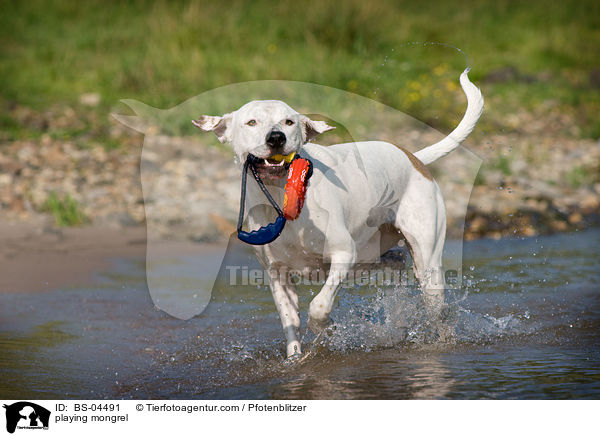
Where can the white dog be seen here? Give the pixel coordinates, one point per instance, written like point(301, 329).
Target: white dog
point(349, 212)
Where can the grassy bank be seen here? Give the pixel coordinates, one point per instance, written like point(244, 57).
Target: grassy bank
point(524, 54)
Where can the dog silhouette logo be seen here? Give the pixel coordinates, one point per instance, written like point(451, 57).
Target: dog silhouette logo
point(26, 415)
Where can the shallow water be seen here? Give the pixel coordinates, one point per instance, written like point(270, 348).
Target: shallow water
point(526, 325)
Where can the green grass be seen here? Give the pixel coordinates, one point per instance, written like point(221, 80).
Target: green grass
point(577, 176)
point(66, 210)
point(503, 164)
point(164, 53)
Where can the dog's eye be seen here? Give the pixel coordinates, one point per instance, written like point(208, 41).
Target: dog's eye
point(251, 123)
point(289, 122)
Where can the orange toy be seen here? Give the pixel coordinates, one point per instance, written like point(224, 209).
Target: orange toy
point(295, 187)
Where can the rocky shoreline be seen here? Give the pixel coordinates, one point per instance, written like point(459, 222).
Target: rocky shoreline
point(532, 183)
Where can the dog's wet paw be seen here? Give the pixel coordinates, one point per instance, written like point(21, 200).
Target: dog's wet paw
point(293, 359)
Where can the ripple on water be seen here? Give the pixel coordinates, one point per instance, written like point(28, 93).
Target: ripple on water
point(527, 329)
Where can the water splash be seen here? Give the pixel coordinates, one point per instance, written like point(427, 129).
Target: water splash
point(398, 317)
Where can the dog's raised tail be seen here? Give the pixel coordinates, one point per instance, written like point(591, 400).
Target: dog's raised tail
point(465, 127)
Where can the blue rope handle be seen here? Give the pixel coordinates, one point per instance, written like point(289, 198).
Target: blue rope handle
point(271, 231)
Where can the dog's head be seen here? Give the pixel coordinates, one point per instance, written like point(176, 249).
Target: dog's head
point(265, 128)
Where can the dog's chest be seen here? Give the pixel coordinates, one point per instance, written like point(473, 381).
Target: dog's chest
point(300, 245)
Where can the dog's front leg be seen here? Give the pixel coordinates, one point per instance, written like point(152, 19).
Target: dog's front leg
point(321, 306)
point(286, 301)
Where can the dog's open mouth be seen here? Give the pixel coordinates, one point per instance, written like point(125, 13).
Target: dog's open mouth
point(271, 168)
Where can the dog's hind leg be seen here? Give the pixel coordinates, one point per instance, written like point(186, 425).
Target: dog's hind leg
point(286, 301)
point(421, 218)
point(425, 235)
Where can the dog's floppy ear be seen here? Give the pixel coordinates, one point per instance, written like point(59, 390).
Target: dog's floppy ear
point(219, 125)
point(312, 128)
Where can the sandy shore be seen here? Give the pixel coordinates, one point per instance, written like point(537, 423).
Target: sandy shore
point(37, 258)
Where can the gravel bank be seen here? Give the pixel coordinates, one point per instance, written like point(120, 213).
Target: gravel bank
point(529, 184)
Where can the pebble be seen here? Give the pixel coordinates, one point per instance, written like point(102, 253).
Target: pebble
point(90, 99)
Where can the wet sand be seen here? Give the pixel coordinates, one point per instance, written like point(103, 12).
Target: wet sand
point(36, 258)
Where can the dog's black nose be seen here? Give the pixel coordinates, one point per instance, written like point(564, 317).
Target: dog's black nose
point(276, 139)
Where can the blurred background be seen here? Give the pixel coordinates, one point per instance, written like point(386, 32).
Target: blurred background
point(64, 66)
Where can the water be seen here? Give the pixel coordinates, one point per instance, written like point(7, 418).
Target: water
point(526, 326)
